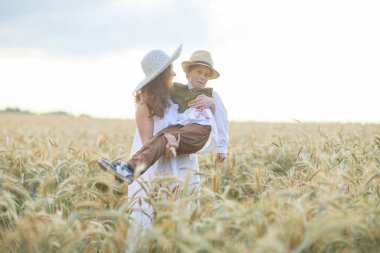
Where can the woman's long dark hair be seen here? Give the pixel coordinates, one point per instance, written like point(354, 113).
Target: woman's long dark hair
point(156, 94)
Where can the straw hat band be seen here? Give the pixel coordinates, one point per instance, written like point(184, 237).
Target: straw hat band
point(201, 57)
point(203, 62)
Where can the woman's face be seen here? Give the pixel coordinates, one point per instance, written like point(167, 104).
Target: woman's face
point(198, 76)
point(171, 75)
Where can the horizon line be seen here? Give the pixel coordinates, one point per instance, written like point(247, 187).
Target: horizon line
point(17, 110)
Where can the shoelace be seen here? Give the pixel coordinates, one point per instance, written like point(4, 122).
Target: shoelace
point(123, 169)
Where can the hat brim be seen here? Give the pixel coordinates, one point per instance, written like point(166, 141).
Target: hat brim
point(186, 64)
point(149, 78)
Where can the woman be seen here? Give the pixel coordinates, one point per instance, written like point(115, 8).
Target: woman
point(155, 111)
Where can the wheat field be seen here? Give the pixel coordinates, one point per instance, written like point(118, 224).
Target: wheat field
point(295, 187)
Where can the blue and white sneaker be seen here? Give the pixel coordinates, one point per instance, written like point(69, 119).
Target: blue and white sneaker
point(120, 170)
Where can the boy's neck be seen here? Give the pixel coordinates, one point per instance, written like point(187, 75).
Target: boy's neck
point(192, 86)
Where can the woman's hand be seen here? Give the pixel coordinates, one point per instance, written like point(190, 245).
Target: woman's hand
point(202, 102)
point(172, 144)
point(220, 157)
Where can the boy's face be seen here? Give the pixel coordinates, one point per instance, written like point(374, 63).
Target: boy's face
point(198, 76)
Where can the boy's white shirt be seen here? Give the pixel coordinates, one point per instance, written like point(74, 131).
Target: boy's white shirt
point(201, 117)
point(221, 121)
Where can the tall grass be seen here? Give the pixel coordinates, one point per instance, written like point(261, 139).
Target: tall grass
point(284, 188)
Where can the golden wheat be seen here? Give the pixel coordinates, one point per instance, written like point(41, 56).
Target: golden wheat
point(292, 187)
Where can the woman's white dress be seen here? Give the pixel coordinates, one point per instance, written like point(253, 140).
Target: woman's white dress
point(142, 213)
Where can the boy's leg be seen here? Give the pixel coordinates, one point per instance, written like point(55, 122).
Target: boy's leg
point(153, 149)
point(192, 139)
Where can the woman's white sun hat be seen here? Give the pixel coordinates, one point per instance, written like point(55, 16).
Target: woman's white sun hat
point(154, 63)
point(201, 57)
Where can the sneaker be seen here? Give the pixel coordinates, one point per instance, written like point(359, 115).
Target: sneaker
point(120, 170)
point(103, 164)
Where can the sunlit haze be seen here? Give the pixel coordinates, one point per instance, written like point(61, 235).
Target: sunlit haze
point(278, 60)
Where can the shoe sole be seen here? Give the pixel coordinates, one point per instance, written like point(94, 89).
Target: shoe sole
point(112, 172)
point(105, 188)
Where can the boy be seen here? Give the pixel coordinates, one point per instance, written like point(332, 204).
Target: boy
point(193, 127)
point(196, 79)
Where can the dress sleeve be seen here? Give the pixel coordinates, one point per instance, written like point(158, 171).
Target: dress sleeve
point(221, 120)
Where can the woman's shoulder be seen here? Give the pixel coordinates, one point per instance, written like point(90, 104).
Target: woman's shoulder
point(142, 109)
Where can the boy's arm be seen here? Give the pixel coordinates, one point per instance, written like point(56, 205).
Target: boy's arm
point(221, 120)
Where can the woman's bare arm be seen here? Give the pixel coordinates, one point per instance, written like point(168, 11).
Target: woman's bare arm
point(145, 126)
point(144, 122)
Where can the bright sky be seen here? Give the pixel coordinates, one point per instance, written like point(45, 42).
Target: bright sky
point(279, 60)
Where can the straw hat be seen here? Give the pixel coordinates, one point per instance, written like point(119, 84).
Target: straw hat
point(201, 57)
point(154, 63)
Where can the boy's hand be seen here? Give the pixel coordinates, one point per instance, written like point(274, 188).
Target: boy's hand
point(202, 102)
point(220, 157)
point(172, 144)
